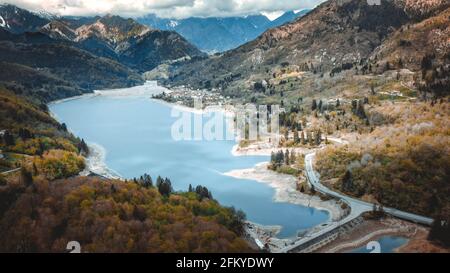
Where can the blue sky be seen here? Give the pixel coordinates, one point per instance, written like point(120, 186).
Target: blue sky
point(165, 8)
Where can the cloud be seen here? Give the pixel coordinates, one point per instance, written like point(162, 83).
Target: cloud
point(164, 8)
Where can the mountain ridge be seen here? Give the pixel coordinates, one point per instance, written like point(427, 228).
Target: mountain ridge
point(215, 34)
point(123, 40)
point(336, 36)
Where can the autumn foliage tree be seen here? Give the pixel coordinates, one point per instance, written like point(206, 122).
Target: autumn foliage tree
point(116, 216)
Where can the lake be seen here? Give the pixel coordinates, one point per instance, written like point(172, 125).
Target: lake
point(135, 133)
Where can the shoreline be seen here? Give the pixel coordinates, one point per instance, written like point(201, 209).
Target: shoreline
point(96, 164)
point(285, 187)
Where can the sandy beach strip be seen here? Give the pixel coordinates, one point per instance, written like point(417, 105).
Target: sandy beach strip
point(286, 189)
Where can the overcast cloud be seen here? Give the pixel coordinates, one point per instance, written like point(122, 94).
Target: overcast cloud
point(164, 8)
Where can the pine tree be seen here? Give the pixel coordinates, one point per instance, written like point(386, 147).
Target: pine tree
point(159, 181)
point(354, 106)
point(203, 192)
point(318, 138)
point(314, 105)
point(440, 229)
point(165, 187)
point(302, 138)
point(296, 137)
point(347, 182)
point(8, 139)
point(147, 181)
point(83, 147)
point(279, 158)
point(361, 112)
point(310, 138)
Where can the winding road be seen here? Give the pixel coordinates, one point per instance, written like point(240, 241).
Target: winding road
point(356, 204)
point(357, 208)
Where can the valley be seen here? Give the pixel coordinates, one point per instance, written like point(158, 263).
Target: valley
point(360, 151)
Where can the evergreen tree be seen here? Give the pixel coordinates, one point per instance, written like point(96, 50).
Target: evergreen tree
point(440, 229)
point(83, 147)
point(302, 138)
point(318, 138)
point(347, 182)
point(314, 105)
point(354, 106)
point(310, 138)
point(165, 187)
point(296, 137)
point(361, 112)
point(8, 139)
point(279, 158)
point(146, 181)
point(203, 192)
point(159, 181)
point(25, 134)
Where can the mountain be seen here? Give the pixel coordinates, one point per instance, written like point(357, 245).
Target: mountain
point(17, 20)
point(124, 40)
point(47, 69)
point(219, 34)
point(336, 36)
point(287, 17)
point(420, 46)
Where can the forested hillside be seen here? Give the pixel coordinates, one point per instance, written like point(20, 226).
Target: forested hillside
point(44, 204)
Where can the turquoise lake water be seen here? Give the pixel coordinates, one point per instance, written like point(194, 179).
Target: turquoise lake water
point(136, 134)
point(388, 244)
